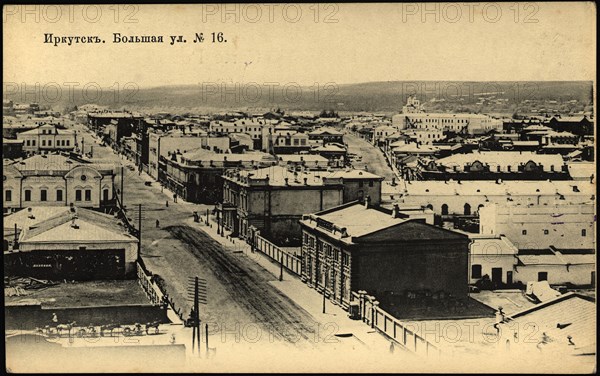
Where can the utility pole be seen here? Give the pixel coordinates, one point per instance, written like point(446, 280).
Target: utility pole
point(122, 184)
point(16, 238)
point(140, 227)
point(199, 297)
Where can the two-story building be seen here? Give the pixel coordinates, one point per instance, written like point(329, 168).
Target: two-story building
point(48, 138)
point(273, 199)
point(359, 247)
point(196, 175)
point(57, 180)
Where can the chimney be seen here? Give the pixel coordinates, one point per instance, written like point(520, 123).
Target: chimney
point(344, 232)
point(367, 202)
point(395, 211)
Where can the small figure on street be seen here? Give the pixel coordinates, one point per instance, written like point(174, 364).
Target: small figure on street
point(167, 203)
point(54, 318)
point(157, 223)
point(174, 197)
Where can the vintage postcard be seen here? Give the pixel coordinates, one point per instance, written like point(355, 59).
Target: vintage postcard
point(276, 187)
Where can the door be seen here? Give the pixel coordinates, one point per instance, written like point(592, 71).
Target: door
point(105, 195)
point(497, 276)
point(542, 276)
point(509, 278)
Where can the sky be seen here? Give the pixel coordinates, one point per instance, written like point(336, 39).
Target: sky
point(302, 43)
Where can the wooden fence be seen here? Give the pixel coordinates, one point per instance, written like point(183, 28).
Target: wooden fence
point(373, 315)
point(291, 262)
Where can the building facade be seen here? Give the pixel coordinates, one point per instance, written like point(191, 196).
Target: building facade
point(357, 247)
point(57, 180)
point(48, 138)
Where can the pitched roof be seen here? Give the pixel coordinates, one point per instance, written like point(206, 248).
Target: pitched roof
point(93, 227)
point(570, 314)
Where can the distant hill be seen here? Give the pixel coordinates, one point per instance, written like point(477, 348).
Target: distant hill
point(372, 96)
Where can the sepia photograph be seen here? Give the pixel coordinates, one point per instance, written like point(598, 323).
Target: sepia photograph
point(295, 187)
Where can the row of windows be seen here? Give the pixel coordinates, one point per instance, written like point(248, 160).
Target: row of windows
point(49, 143)
point(79, 193)
point(328, 249)
point(546, 232)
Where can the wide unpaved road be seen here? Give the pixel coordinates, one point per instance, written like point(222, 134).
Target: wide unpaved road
point(372, 157)
point(248, 285)
point(240, 298)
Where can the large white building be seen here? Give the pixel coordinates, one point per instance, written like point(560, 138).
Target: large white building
point(468, 123)
point(48, 138)
point(465, 197)
point(564, 226)
point(57, 180)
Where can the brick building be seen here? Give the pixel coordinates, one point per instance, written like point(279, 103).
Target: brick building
point(358, 247)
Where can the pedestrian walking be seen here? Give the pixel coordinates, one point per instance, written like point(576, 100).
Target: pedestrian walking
point(174, 197)
point(167, 203)
point(157, 223)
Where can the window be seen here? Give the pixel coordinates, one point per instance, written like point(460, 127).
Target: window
point(59, 195)
point(475, 271)
point(68, 142)
point(305, 239)
point(524, 232)
point(8, 195)
point(27, 143)
point(444, 209)
point(78, 195)
point(508, 168)
point(542, 276)
point(336, 255)
point(49, 142)
point(311, 241)
point(546, 232)
point(43, 195)
point(345, 259)
point(360, 184)
point(584, 232)
point(32, 142)
point(28, 195)
point(43, 142)
point(371, 183)
point(88, 195)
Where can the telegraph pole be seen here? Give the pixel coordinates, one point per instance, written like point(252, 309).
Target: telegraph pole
point(140, 227)
point(122, 184)
point(199, 297)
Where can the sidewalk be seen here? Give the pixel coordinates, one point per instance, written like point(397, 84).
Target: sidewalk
point(335, 319)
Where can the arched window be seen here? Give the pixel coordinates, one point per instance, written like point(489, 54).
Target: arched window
point(444, 209)
point(467, 209)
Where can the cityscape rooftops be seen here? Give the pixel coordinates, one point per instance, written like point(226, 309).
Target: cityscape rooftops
point(502, 158)
point(491, 188)
point(355, 218)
